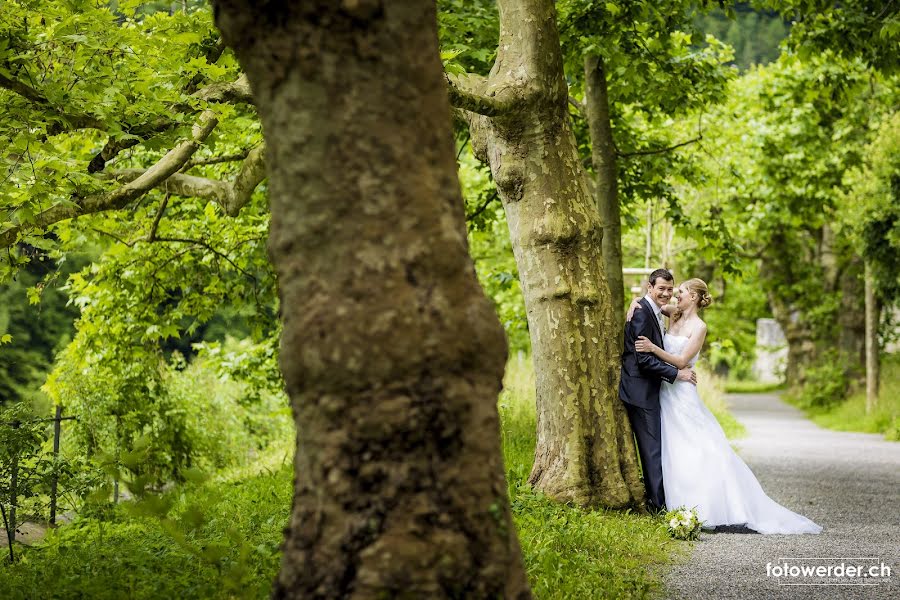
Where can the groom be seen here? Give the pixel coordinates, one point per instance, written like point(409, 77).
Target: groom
point(642, 376)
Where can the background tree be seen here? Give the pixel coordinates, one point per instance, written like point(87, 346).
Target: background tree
point(868, 30)
point(85, 153)
point(871, 213)
point(519, 123)
point(779, 152)
point(636, 57)
point(755, 33)
point(37, 323)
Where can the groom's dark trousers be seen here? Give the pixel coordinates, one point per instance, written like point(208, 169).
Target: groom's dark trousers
point(641, 378)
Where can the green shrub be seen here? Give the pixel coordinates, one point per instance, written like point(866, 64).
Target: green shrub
point(154, 419)
point(218, 539)
point(228, 418)
point(851, 414)
point(824, 385)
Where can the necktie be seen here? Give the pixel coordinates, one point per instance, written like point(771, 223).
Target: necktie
point(662, 327)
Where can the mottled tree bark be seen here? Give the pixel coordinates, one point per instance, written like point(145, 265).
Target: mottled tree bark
point(585, 450)
point(603, 156)
point(391, 354)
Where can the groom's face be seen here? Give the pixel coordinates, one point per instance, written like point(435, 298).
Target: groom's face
point(660, 291)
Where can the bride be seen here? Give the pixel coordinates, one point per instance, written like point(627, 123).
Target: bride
point(700, 469)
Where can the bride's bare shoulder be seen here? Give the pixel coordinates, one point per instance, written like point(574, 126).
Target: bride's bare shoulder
point(696, 326)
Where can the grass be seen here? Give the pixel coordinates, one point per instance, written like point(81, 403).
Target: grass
point(850, 415)
point(751, 387)
point(571, 552)
point(220, 538)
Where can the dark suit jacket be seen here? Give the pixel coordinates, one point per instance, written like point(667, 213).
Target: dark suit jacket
point(643, 372)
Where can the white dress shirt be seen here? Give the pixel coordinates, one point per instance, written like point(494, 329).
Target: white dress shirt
point(658, 312)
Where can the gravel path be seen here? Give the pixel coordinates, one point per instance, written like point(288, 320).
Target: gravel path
point(847, 482)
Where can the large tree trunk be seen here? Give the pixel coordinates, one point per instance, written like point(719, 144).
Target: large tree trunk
point(391, 354)
point(585, 450)
point(872, 318)
point(603, 156)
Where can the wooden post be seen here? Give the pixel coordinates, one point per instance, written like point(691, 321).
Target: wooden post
point(648, 251)
point(54, 484)
point(118, 444)
point(872, 317)
point(12, 556)
point(13, 493)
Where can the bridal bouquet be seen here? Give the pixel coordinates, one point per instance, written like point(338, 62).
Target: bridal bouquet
point(683, 523)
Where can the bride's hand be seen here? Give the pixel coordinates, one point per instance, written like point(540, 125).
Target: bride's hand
point(635, 305)
point(643, 344)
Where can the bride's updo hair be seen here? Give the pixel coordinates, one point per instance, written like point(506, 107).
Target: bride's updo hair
point(698, 286)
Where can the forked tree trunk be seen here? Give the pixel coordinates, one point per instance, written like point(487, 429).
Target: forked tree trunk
point(391, 354)
point(603, 156)
point(585, 450)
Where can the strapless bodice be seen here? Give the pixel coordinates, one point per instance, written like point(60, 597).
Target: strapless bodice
point(674, 344)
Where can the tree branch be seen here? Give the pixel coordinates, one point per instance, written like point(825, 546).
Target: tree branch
point(167, 166)
point(212, 54)
point(232, 197)
point(463, 145)
point(215, 160)
point(203, 244)
point(158, 217)
point(236, 91)
point(659, 150)
point(233, 91)
point(114, 146)
point(479, 210)
point(468, 92)
point(579, 107)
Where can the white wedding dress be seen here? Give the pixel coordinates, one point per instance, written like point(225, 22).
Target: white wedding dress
point(701, 470)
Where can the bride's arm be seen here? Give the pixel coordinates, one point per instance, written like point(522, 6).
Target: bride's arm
point(668, 310)
point(679, 360)
point(643, 344)
point(635, 305)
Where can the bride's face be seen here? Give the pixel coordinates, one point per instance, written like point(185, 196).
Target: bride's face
point(684, 297)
